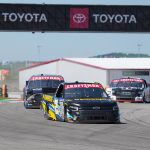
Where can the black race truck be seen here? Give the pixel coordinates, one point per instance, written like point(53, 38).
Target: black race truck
point(38, 85)
point(81, 102)
point(129, 90)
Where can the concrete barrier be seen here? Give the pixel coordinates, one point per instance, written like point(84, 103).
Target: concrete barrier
point(17, 95)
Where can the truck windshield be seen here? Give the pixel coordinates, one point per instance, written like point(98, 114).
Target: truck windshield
point(44, 84)
point(131, 84)
point(114, 83)
point(78, 93)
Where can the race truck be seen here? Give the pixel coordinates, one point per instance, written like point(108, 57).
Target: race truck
point(38, 85)
point(129, 90)
point(80, 102)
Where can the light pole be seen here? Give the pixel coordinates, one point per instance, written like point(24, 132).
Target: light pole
point(39, 52)
point(139, 48)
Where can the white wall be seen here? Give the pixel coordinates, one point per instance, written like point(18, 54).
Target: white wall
point(76, 72)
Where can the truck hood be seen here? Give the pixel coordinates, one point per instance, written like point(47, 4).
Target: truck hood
point(91, 103)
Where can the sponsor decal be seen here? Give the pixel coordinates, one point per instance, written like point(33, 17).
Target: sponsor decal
point(114, 18)
point(126, 93)
point(131, 80)
point(46, 78)
point(24, 17)
point(51, 108)
point(115, 81)
point(48, 98)
point(70, 86)
point(79, 18)
point(96, 108)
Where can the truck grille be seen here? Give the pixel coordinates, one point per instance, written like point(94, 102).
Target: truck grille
point(126, 93)
point(96, 108)
point(96, 115)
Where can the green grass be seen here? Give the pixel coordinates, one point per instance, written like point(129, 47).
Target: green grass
point(3, 98)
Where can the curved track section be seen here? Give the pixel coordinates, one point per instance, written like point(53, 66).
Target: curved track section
point(22, 129)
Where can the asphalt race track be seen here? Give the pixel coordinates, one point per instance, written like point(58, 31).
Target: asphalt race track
point(22, 129)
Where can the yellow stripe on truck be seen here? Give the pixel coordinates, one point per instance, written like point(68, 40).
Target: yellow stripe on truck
point(52, 115)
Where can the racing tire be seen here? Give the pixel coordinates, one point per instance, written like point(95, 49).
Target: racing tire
point(65, 115)
point(145, 99)
point(117, 122)
point(25, 105)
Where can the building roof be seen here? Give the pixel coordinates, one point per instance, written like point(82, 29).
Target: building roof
point(104, 63)
point(116, 63)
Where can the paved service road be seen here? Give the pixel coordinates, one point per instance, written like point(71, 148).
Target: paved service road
point(22, 129)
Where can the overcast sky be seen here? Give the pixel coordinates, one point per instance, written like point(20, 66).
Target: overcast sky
point(16, 46)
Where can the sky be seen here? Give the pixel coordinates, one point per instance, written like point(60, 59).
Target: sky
point(25, 46)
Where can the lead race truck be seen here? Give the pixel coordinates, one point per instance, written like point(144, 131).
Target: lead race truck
point(129, 90)
point(38, 85)
point(80, 102)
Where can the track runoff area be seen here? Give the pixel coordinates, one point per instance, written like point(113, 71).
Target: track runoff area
point(20, 128)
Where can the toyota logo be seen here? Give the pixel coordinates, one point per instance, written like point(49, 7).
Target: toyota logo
point(79, 18)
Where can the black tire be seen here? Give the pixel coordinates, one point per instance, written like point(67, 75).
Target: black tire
point(118, 121)
point(65, 115)
point(144, 99)
point(25, 105)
